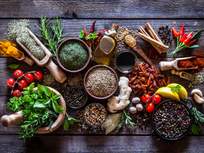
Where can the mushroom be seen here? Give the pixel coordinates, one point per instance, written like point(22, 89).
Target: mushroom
point(135, 100)
point(197, 96)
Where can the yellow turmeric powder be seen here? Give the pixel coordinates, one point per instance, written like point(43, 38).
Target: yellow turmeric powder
point(9, 49)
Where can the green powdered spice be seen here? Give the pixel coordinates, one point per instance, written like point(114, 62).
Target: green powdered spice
point(73, 56)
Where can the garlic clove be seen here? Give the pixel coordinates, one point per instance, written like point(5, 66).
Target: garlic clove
point(135, 100)
point(132, 110)
point(197, 91)
point(198, 99)
point(139, 107)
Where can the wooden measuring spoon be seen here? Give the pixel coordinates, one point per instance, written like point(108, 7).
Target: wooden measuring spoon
point(47, 61)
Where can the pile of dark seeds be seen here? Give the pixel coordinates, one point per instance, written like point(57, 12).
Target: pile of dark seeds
point(95, 114)
point(165, 34)
point(76, 97)
point(171, 120)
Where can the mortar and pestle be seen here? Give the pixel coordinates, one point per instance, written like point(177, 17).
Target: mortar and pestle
point(46, 61)
point(16, 118)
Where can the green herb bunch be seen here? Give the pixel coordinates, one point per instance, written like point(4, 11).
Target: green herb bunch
point(51, 33)
point(40, 108)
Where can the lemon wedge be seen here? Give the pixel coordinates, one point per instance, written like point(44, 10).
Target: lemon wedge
point(182, 92)
point(168, 93)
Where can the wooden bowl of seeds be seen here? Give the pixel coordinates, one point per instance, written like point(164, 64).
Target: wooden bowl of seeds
point(95, 114)
point(101, 82)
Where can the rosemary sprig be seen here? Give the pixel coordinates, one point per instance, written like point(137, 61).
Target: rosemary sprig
point(127, 119)
point(51, 33)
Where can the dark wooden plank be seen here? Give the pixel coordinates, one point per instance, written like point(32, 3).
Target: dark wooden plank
point(104, 144)
point(102, 9)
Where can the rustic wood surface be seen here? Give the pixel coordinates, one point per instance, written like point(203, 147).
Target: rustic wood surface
point(131, 13)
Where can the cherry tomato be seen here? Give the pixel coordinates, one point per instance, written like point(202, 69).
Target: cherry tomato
point(22, 84)
point(10, 82)
point(145, 98)
point(150, 107)
point(17, 74)
point(38, 75)
point(29, 77)
point(156, 99)
point(16, 93)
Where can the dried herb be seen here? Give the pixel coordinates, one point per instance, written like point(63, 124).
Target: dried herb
point(73, 56)
point(51, 33)
point(19, 30)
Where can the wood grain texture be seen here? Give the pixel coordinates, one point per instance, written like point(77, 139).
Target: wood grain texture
point(102, 8)
point(104, 144)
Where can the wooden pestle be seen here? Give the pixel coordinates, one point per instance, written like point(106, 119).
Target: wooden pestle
point(56, 72)
point(12, 119)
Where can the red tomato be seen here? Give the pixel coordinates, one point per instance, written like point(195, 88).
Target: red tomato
point(156, 99)
point(150, 107)
point(29, 77)
point(145, 98)
point(22, 84)
point(10, 82)
point(16, 93)
point(17, 74)
point(38, 75)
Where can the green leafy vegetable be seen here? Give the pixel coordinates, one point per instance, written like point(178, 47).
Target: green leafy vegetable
point(175, 88)
point(69, 121)
point(13, 66)
point(195, 129)
point(40, 108)
point(51, 33)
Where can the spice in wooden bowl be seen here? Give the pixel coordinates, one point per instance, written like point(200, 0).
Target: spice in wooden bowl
point(101, 82)
point(95, 114)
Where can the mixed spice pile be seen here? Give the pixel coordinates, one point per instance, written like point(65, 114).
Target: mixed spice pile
point(109, 79)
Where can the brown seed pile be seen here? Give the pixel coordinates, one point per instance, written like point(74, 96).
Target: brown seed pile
point(101, 82)
point(145, 79)
point(95, 114)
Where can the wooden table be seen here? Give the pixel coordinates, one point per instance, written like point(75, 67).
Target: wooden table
point(130, 13)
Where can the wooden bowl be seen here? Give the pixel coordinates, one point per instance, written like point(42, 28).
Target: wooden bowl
point(16, 118)
point(86, 47)
point(98, 67)
point(60, 119)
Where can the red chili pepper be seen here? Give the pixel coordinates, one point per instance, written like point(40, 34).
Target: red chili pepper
point(183, 37)
point(174, 32)
point(190, 43)
point(182, 30)
point(92, 28)
point(85, 31)
point(188, 38)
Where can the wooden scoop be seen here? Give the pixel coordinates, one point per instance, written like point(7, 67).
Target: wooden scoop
point(169, 65)
point(131, 42)
point(16, 118)
point(57, 73)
